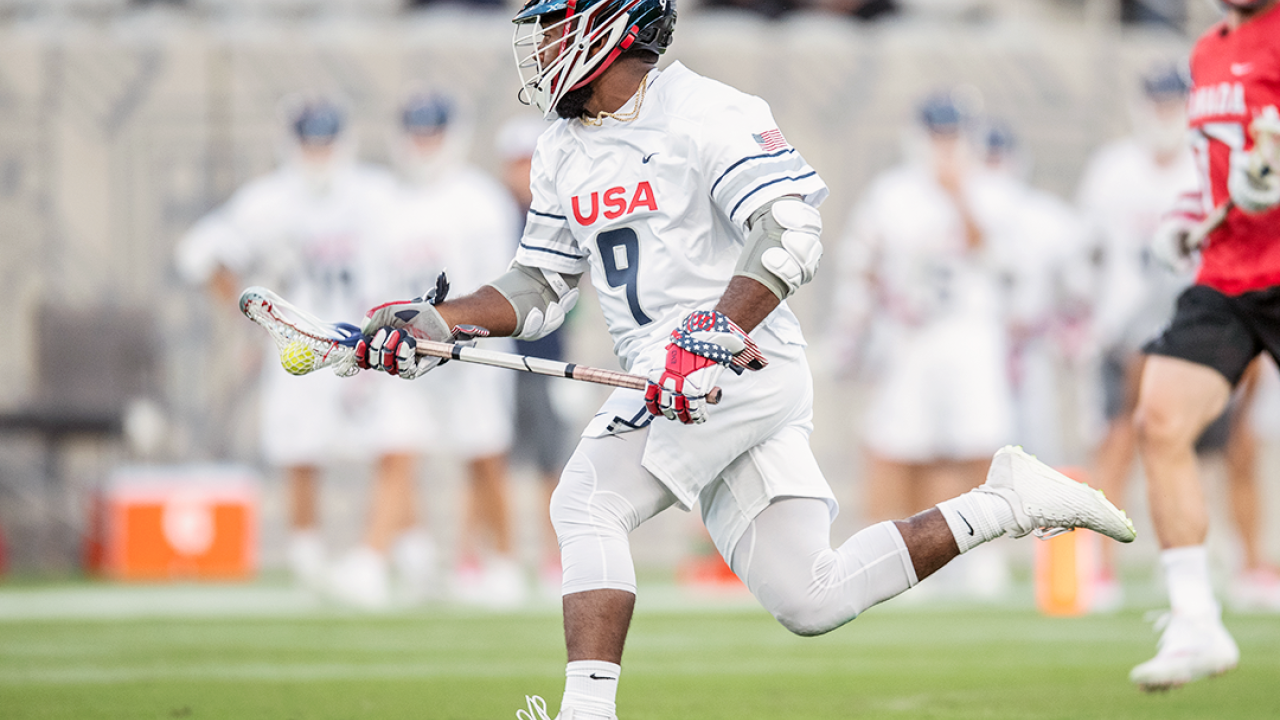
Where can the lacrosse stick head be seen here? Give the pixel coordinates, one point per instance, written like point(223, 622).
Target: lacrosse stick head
point(305, 342)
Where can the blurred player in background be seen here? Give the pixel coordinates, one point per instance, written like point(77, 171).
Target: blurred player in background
point(1035, 235)
point(1127, 186)
point(451, 215)
point(696, 219)
point(921, 290)
point(301, 230)
point(543, 439)
point(1229, 317)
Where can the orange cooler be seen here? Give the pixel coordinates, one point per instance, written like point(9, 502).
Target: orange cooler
point(177, 523)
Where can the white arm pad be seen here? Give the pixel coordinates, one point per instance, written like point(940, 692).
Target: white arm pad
point(783, 245)
point(541, 298)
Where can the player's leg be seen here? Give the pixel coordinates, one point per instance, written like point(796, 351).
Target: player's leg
point(392, 509)
point(297, 426)
point(362, 575)
point(1186, 384)
point(784, 554)
point(481, 429)
point(1178, 399)
point(603, 495)
point(305, 547)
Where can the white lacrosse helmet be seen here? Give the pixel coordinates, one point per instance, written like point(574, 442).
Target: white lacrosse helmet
point(562, 45)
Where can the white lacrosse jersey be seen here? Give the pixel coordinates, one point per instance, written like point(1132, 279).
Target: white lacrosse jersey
point(302, 238)
point(908, 234)
point(305, 239)
point(1123, 195)
point(656, 207)
point(462, 221)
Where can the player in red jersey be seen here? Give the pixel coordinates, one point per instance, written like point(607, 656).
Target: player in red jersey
point(1231, 315)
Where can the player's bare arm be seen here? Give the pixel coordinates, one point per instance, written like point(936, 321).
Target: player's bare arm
point(486, 308)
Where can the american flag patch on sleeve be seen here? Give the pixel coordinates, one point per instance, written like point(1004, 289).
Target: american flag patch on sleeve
point(770, 140)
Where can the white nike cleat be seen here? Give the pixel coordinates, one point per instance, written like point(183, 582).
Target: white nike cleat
point(1047, 502)
point(1191, 648)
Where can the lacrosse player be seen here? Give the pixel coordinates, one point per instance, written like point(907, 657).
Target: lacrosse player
point(451, 215)
point(301, 228)
point(1126, 188)
point(544, 440)
point(917, 276)
point(696, 219)
point(1227, 318)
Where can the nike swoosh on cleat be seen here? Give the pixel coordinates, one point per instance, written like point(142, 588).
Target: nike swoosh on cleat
point(966, 522)
point(1239, 69)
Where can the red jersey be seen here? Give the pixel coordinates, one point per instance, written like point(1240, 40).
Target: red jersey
point(1234, 75)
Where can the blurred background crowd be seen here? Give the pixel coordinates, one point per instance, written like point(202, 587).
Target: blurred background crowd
point(996, 168)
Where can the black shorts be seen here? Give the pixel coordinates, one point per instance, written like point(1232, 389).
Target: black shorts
point(1224, 332)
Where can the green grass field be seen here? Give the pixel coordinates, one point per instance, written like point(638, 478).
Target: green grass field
point(729, 662)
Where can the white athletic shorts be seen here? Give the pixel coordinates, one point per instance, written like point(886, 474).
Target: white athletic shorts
point(945, 394)
point(753, 448)
point(460, 410)
point(311, 419)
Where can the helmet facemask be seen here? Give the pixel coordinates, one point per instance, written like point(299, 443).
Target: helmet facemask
point(567, 53)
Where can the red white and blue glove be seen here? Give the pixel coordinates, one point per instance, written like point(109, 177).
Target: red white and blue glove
point(704, 345)
point(391, 332)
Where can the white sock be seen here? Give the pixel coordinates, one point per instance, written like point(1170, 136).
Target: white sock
point(976, 517)
point(591, 688)
point(1186, 572)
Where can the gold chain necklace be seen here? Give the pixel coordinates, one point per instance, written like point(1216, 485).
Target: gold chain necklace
point(628, 116)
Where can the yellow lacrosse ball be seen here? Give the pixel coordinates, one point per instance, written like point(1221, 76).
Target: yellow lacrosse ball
point(297, 358)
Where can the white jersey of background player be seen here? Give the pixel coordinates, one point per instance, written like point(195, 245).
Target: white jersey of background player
point(451, 215)
point(929, 304)
point(1127, 187)
point(300, 230)
point(695, 218)
point(1037, 238)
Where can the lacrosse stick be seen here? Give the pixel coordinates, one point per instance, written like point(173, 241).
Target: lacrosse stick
point(1263, 161)
point(307, 344)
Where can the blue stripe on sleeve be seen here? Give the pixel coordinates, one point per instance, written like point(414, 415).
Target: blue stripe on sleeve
point(758, 188)
point(526, 246)
point(747, 159)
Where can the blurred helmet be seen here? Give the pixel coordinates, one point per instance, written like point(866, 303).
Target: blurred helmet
point(426, 114)
point(1167, 81)
point(998, 141)
point(317, 122)
point(940, 114)
point(562, 45)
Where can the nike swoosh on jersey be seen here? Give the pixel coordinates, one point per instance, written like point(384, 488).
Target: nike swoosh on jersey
point(647, 158)
point(1239, 69)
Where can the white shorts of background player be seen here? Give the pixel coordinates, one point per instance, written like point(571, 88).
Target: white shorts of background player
point(312, 419)
point(460, 410)
point(945, 393)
